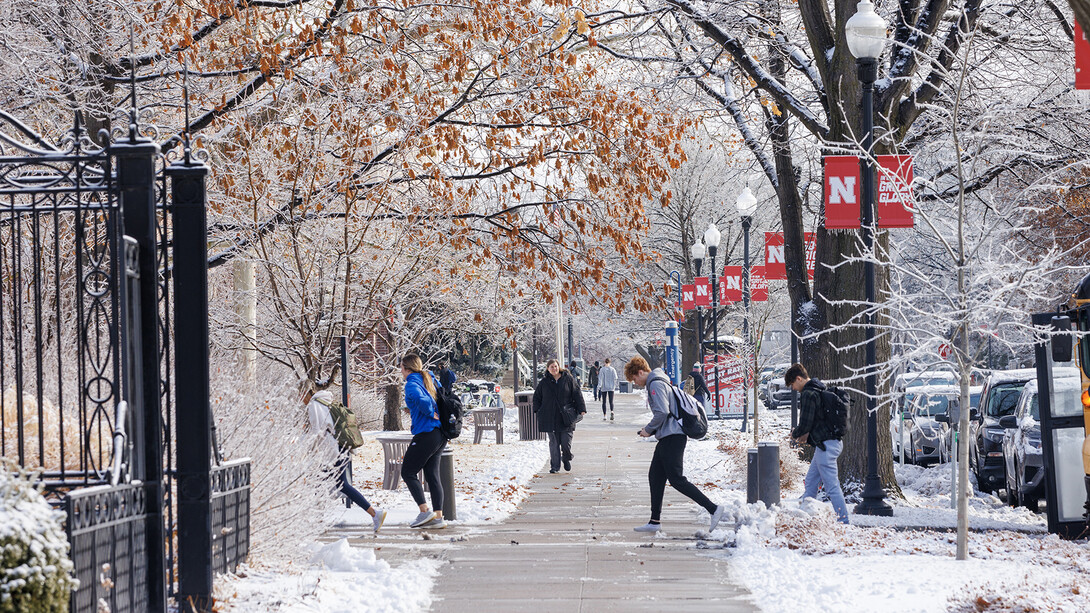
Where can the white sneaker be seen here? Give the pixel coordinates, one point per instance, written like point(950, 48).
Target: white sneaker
point(423, 518)
point(380, 516)
point(438, 523)
point(718, 515)
point(648, 527)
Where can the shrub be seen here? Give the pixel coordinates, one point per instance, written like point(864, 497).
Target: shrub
point(35, 572)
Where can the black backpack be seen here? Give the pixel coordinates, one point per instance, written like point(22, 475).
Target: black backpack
point(835, 403)
point(689, 411)
point(450, 413)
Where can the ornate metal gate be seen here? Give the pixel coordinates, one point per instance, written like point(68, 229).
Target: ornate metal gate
point(87, 365)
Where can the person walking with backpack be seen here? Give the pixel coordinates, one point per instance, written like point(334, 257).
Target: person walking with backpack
point(447, 378)
point(815, 428)
point(668, 461)
point(321, 424)
point(607, 384)
point(427, 444)
point(592, 379)
point(558, 403)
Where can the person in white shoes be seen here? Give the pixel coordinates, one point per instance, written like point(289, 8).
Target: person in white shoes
point(427, 444)
point(667, 463)
point(321, 424)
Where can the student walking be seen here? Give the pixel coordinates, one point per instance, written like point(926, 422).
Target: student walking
point(321, 424)
point(558, 403)
point(814, 429)
point(667, 463)
point(447, 378)
point(607, 384)
point(592, 379)
point(700, 387)
point(427, 444)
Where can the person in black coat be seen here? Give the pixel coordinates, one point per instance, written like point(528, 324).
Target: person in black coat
point(556, 390)
point(700, 387)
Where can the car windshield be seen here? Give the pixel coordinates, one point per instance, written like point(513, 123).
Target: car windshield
point(1068, 401)
point(932, 405)
point(929, 380)
point(1004, 399)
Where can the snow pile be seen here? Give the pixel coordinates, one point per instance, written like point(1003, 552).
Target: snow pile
point(341, 578)
point(35, 572)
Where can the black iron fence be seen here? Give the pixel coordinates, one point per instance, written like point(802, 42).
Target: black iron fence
point(89, 240)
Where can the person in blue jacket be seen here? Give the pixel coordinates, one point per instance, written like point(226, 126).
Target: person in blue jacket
point(447, 378)
point(427, 444)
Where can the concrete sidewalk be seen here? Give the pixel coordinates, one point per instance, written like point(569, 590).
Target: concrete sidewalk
point(571, 547)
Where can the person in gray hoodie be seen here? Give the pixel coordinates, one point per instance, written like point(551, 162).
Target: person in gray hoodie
point(607, 384)
point(667, 463)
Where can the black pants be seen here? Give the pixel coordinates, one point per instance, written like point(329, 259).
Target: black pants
point(346, 488)
point(667, 465)
point(604, 396)
point(423, 453)
point(559, 447)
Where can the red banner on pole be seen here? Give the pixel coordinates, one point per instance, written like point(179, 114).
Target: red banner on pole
point(810, 238)
point(758, 285)
point(775, 266)
point(688, 293)
point(1082, 59)
point(894, 207)
point(703, 291)
point(842, 192)
point(730, 285)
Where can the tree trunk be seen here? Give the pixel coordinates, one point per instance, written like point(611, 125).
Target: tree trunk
point(391, 416)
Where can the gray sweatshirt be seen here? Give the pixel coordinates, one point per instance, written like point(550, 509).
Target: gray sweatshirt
point(659, 399)
point(607, 379)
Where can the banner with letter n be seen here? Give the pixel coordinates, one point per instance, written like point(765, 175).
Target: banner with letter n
point(703, 291)
point(894, 206)
point(842, 192)
point(810, 238)
point(730, 285)
point(688, 296)
point(775, 265)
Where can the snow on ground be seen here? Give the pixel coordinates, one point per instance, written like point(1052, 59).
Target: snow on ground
point(490, 482)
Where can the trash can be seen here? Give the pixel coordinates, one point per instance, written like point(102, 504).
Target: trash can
point(446, 476)
point(625, 387)
point(527, 420)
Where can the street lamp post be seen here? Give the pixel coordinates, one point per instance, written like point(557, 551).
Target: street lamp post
point(866, 36)
point(697, 253)
point(711, 239)
point(746, 204)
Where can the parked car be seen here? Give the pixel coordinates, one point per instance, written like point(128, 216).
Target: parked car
point(1022, 454)
point(925, 438)
point(998, 398)
point(777, 394)
point(762, 383)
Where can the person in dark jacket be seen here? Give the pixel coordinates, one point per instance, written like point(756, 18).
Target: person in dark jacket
point(592, 379)
point(427, 445)
point(700, 387)
point(556, 390)
point(446, 377)
point(813, 429)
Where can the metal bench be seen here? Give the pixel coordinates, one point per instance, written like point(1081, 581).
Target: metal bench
point(487, 419)
point(393, 451)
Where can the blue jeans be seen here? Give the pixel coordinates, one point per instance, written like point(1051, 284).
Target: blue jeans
point(823, 471)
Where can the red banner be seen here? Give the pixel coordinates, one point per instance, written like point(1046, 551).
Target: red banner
point(688, 293)
point(729, 385)
point(1082, 59)
point(775, 267)
point(810, 238)
point(842, 192)
point(894, 207)
point(730, 285)
point(758, 285)
point(703, 291)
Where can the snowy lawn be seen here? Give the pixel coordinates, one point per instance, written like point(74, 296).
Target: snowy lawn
point(490, 481)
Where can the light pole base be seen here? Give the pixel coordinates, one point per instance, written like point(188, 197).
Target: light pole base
point(873, 502)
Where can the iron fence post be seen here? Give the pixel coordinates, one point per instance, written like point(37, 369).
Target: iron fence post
point(193, 425)
point(135, 160)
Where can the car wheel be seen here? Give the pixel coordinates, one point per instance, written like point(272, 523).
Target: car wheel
point(1013, 495)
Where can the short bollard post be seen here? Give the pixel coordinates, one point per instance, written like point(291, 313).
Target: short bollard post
point(446, 475)
point(751, 476)
point(768, 463)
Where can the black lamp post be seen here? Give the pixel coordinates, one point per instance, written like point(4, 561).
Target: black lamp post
point(697, 253)
point(711, 239)
point(745, 204)
point(866, 36)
